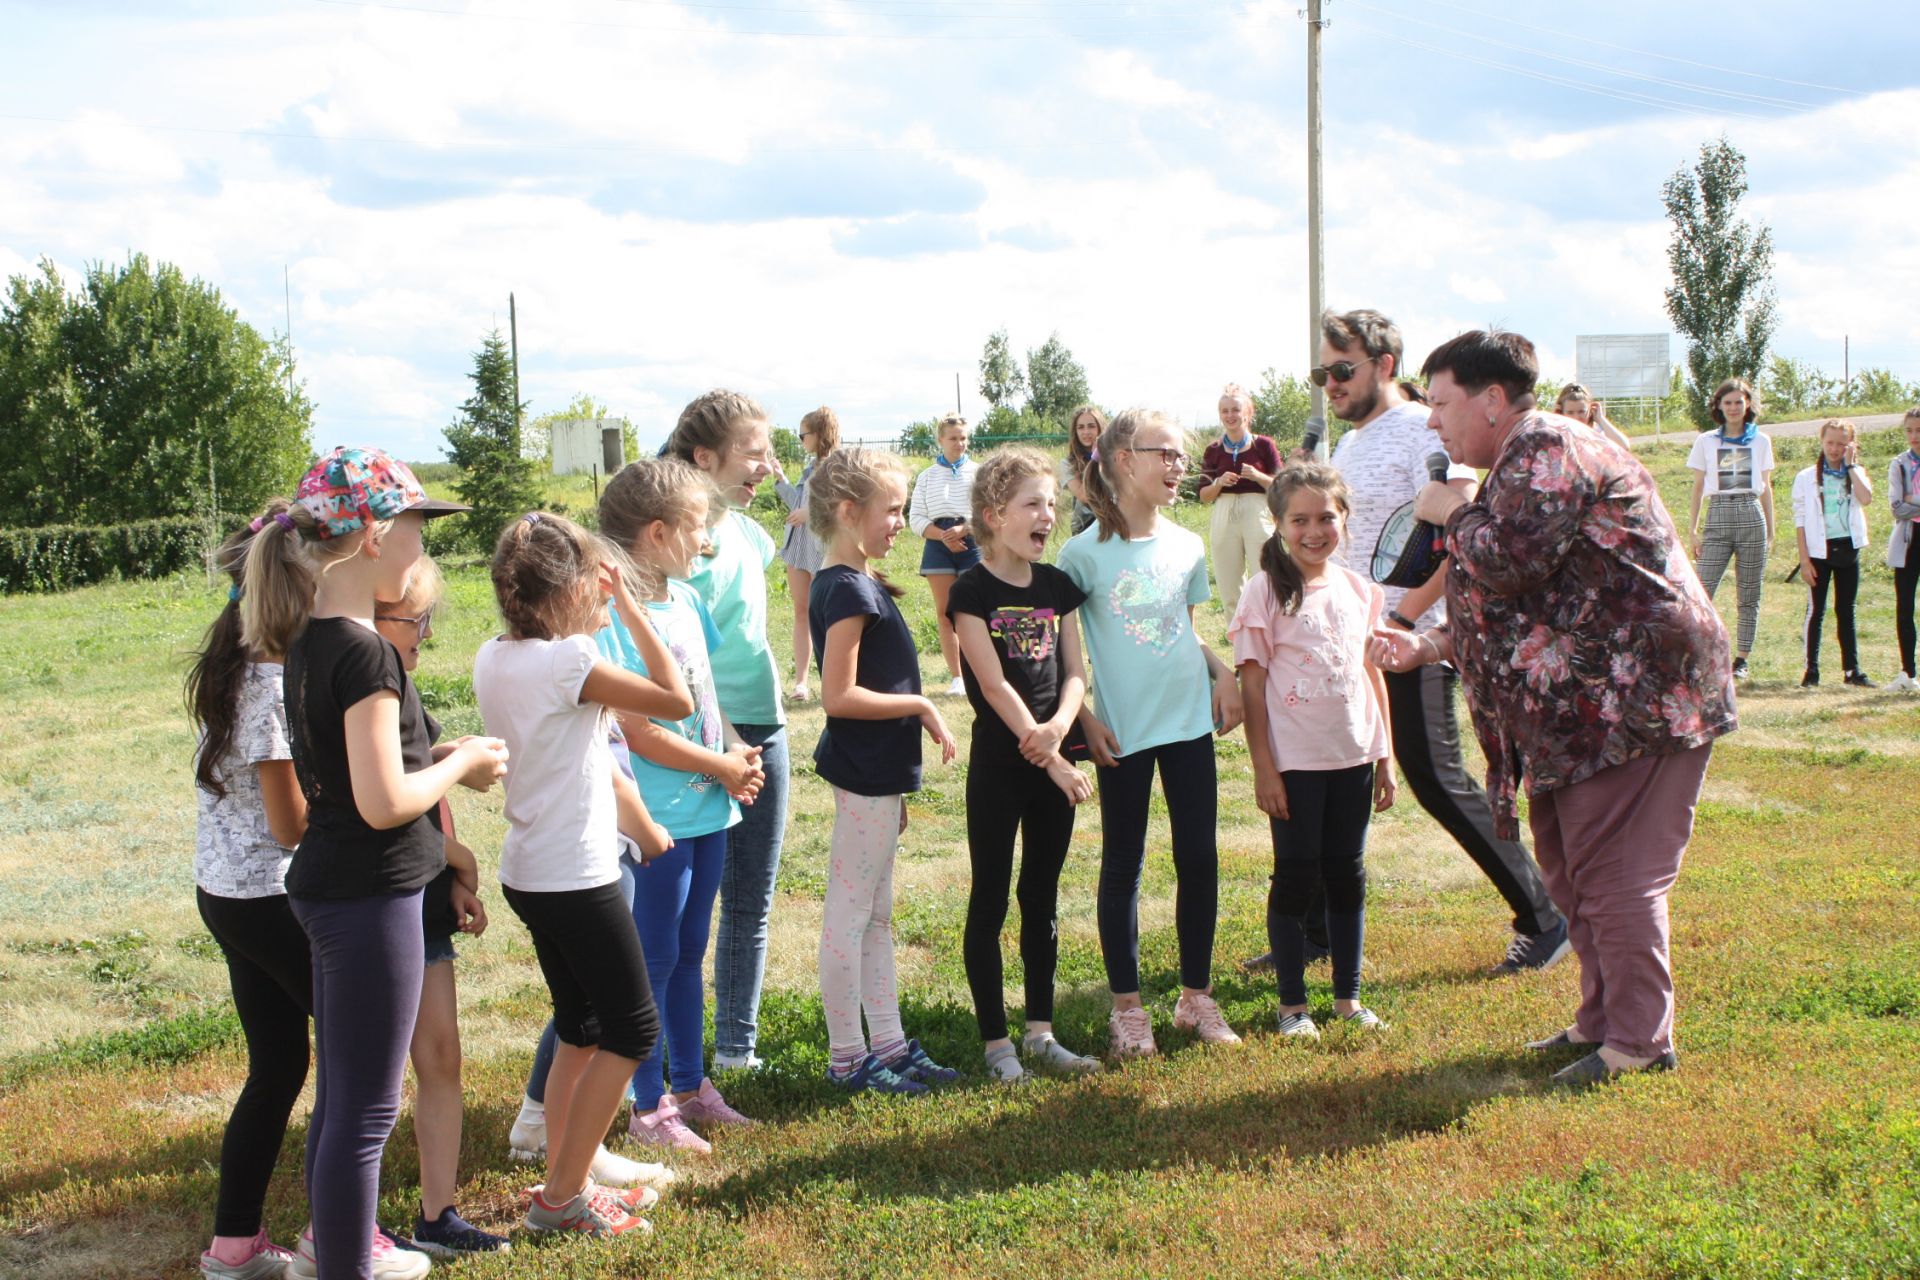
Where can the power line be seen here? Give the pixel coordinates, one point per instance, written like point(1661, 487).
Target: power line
point(1547, 77)
point(1757, 99)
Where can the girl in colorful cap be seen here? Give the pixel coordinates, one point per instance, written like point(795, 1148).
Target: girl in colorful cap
point(371, 780)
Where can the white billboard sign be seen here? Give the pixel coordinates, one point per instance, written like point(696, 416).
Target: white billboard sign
point(577, 448)
point(1623, 366)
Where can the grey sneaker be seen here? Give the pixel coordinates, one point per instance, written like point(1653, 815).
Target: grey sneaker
point(1541, 950)
point(1049, 1055)
point(1593, 1070)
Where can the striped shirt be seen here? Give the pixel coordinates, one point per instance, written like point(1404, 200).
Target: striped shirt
point(942, 493)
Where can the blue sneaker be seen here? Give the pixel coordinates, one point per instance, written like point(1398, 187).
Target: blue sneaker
point(914, 1064)
point(875, 1075)
point(451, 1236)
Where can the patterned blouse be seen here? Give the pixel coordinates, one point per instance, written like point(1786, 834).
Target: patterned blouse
point(1579, 628)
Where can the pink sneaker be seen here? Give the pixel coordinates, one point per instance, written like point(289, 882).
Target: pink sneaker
point(1130, 1032)
point(663, 1127)
point(709, 1106)
point(1198, 1013)
point(267, 1261)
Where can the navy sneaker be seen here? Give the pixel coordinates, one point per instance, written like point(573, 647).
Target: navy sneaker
point(1541, 950)
point(913, 1063)
point(875, 1075)
point(451, 1236)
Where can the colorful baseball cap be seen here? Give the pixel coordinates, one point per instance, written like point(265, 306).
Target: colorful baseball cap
point(351, 487)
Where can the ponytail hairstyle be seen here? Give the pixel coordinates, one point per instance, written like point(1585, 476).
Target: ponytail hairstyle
point(285, 559)
point(641, 493)
point(1284, 575)
point(708, 423)
point(825, 425)
point(1078, 454)
point(212, 687)
point(851, 475)
point(1102, 481)
point(545, 568)
point(1000, 477)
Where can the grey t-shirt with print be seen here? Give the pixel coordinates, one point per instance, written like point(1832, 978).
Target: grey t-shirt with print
point(235, 854)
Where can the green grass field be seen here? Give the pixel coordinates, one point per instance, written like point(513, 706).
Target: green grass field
point(1788, 1145)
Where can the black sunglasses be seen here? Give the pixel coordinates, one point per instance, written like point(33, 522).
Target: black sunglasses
point(1339, 371)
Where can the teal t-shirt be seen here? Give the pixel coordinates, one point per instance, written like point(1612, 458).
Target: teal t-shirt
point(732, 583)
point(1836, 491)
point(686, 804)
point(1150, 681)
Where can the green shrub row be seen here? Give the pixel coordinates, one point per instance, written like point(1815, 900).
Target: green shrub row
point(57, 557)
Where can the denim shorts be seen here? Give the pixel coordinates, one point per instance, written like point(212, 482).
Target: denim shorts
point(935, 558)
point(439, 946)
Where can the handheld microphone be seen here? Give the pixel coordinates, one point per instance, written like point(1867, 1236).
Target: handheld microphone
point(1437, 464)
point(1314, 436)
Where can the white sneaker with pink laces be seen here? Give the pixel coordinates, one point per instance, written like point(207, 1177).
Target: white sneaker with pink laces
point(1130, 1033)
point(664, 1127)
point(1196, 1012)
point(709, 1107)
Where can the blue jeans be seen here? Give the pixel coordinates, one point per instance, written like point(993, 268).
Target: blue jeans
point(746, 898)
point(543, 1055)
point(673, 909)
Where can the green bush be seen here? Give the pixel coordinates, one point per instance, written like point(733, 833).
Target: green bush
point(57, 557)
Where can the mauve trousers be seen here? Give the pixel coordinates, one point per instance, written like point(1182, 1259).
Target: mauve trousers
point(1609, 849)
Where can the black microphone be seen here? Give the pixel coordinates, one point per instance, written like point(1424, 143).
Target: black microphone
point(1437, 464)
point(1315, 432)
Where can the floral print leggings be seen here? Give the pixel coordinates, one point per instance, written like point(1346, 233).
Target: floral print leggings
point(856, 938)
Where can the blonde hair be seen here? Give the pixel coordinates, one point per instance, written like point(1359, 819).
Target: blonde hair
point(212, 685)
point(948, 422)
point(1101, 481)
point(850, 475)
point(1839, 424)
point(541, 567)
point(1572, 391)
point(641, 493)
point(708, 422)
point(1234, 391)
point(826, 430)
point(1000, 478)
point(284, 562)
point(425, 585)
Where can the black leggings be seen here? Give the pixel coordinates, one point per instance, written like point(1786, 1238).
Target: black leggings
point(1841, 567)
point(1002, 798)
point(271, 972)
point(1188, 781)
point(589, 953)
point(1905, 579)
point(1317, 848)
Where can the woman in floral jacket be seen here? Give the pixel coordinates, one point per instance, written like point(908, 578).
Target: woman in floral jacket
point(1597, 673)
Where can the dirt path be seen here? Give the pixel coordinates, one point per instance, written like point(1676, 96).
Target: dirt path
point(1805, 427)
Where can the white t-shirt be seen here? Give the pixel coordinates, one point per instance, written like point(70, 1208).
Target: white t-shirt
point(561, 828)
point(1385, 464)
point(1729, 467)
point(234, 852)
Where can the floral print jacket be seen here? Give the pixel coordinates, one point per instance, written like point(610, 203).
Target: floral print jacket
point(1579, 627)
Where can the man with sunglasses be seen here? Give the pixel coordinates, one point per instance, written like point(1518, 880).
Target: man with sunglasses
point(1383, 458)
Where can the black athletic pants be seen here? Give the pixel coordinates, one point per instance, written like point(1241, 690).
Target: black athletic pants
point(1841, 568)
point(1191, 786)
point(1317, 855)
point(1004, 798)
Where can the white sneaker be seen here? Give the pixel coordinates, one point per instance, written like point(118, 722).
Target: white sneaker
point(611, 1170)
point(958, 689)
point(1904, 683)
point(385, 1261)
point(527, 1140)
point(750, 1061)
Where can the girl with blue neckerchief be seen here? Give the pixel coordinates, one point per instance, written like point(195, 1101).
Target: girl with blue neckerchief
point(1830, 523)
point(1733, 467)
point(941, 512)
point(1903, 494)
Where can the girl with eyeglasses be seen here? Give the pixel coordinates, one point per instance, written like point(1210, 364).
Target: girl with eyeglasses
point(1159, 693)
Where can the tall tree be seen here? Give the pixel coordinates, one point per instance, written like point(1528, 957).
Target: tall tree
point(143, 395)
point(1722, 299)
point(1281, 407)
point(1056, 384)
point(496, 478)
point(1001, 381)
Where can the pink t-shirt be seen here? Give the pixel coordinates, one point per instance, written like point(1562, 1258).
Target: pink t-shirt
point(1321, 711)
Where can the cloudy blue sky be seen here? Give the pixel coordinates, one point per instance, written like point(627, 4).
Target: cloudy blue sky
point(837, 200)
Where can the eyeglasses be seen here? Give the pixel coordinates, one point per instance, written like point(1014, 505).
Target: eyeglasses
point(423, 624)
point(1339, 371)
point(1172, 457)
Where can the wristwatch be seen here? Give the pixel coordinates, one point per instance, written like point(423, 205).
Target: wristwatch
point(1399, 620)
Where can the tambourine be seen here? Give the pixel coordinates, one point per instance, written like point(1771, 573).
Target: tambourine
point(1409, 550)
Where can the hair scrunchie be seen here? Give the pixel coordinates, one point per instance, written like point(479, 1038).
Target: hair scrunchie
point(253, 525)
point(285, 521)
point(233, 592)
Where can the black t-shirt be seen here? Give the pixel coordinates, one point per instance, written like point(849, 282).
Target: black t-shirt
point(1024, 623)
point(332, 665)
point(867, 757)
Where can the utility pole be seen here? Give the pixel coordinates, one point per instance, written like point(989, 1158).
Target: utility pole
point(513, 336)
point(1316, 216)
point(286, 283)
point(956, 393)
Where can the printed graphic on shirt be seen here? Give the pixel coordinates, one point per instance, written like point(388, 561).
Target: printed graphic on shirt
point(1734, 465)
point(1151, 604)
point(1325, 666)
point(703, 726)
point(1030, 635)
